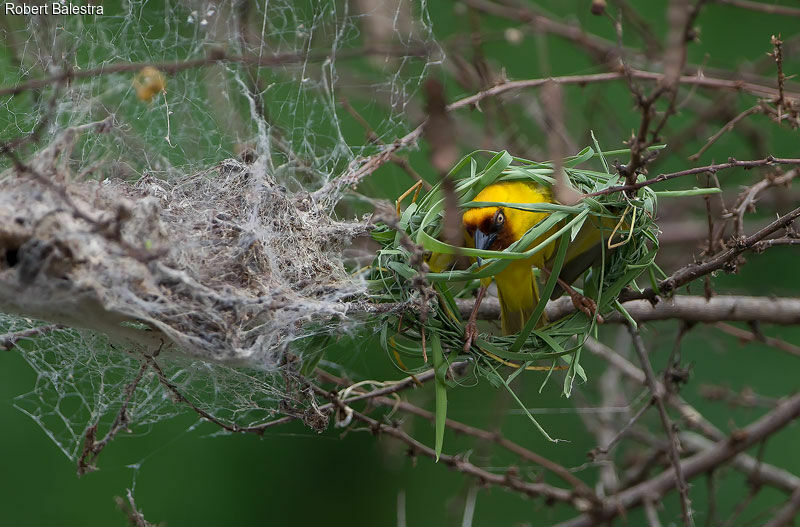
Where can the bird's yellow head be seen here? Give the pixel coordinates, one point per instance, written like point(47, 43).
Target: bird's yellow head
point(487, 227)
point(495, 228)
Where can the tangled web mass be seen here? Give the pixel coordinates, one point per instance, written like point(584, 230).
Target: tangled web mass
point(145, 233)
point(226, 264)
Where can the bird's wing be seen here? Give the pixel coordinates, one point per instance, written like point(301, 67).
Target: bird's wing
point(440, 262)
point(584, 251)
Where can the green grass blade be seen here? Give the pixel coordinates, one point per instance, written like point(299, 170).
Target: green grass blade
point(600, 153)
point(584, 155)
point(440, 369)
point(624, 312)
point(502, 381)
point(493, 170)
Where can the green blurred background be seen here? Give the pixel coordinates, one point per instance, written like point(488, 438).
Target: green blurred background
point(184, 474)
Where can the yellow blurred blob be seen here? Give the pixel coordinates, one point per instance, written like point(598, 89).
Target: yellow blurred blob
point(148, 83)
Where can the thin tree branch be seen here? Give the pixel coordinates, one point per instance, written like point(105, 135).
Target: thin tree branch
point(180, 398)
point(723, 260)
point(771, 9)
point(604, 50)
point(658, 396)
point(622, 431)
point(766, 244)
point(727, 128)
point(747, 199)
point(134, 515)
point(373, 137)
point(278, 59)
point(9, 340)
point(394, 387)
point(788, 513)
point(745, 398)
point(768, 161)
point(750, 336)
point(497, 438)
point(92, 448)
point(509, 480)
point(651, 514)
point(692, 80)
point(768, 474)
point(700, 463)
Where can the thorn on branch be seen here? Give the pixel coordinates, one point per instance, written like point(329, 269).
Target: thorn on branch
point(512, 473)
point(738, 436)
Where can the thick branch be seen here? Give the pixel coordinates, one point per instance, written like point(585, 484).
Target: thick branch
point(691, 308)
point(759, 472)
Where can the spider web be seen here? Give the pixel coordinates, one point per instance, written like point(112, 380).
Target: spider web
point(82, 378)
point(288, 116)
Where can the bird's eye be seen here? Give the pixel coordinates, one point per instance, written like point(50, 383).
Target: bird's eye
point(500, 219)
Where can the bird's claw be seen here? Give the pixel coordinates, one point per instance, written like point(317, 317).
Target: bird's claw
point(586, 305)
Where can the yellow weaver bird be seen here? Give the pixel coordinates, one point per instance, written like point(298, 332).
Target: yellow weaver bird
point(496, 228)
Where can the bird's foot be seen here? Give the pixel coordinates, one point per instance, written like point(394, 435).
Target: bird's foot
point(585, 304)
point(471, 329)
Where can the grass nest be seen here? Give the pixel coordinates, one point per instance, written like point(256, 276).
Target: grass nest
point(397, 275)
point(429, 321)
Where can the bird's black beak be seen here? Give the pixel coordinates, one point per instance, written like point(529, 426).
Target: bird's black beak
point(484, 241)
